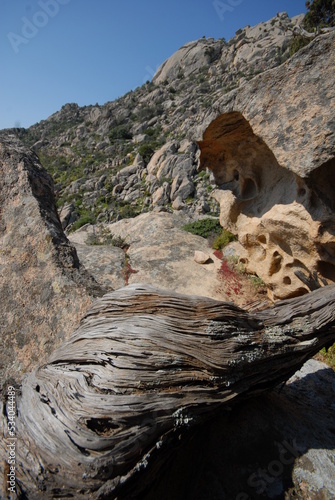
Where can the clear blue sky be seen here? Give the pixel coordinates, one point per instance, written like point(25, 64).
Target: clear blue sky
point(89, 51)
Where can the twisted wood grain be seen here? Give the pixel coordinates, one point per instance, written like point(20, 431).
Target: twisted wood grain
point(143, 364)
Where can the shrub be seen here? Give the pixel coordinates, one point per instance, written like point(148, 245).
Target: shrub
point(223, 239)
point(102, 236)
point(297, 43)
point(127, 211)
point(320, 13)
point(257, 282)
point(328, 356)
point(84, 219)
point(146, 151)
point(120, 132)
point(204, 227)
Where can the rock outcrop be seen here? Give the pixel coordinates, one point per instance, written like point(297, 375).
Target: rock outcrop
point(158, 249)
point(44, 289)
point(155, 249)
point(271, 148)
point(251, 50)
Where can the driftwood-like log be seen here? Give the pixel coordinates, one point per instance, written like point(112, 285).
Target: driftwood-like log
point(144, 364)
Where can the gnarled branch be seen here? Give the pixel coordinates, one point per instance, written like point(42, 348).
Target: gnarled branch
point(143, 363)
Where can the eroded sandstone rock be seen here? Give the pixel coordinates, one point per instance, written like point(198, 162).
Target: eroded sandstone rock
point(272, 152)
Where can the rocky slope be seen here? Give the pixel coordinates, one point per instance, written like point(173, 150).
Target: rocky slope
point(44, 293)
point(157, 250)
point(141, 152)
point(92, 152)
point(44, 289)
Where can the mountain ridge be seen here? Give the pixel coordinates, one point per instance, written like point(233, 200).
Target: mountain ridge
point(80, 144)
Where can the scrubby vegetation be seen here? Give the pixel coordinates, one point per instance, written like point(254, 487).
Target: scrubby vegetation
point(297, 43)
point(84, 219)
point(102, 236)
point(211, 229)
point(223, 239)
point(204, 227)
point(320, 14)
point(328, 356)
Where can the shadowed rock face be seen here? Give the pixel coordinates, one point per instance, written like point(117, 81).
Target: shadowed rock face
point(281, 208)
point(44, 289)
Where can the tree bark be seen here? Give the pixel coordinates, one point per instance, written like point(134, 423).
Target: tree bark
point(143, 365)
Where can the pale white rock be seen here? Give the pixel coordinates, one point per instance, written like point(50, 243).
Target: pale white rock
point(188, 59)
point(126, 172)
point(162, 195)
point(139, 162)
point(186, 189)
point(178, 204)
point(201, 257)
point(160, 155)
point(187, 146)
point(139, 138)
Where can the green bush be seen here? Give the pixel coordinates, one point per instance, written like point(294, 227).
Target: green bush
point(127, 211)
point(223, 239)
point(320, 13)
point(120, 132)
point(297, 43)
point(328, 356)
point(84, 219)
point(204, 227)
point(146, 151)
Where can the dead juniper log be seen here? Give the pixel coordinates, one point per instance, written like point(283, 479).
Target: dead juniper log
point(143, 363)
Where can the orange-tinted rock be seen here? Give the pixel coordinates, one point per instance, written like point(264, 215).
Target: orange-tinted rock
point(272, 152)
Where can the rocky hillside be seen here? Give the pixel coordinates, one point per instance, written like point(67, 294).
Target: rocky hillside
point(234, 114)
point(102, 157)
point(242, 115)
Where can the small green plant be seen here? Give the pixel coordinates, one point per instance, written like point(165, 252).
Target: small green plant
point(256, 281)
point(102, 236)
point(84, 219)
point(203, 174)
point(223, 239)
point(204, 227)
point(328, 356)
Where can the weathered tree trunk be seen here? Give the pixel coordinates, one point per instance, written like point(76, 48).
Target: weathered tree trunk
point(144, 364)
